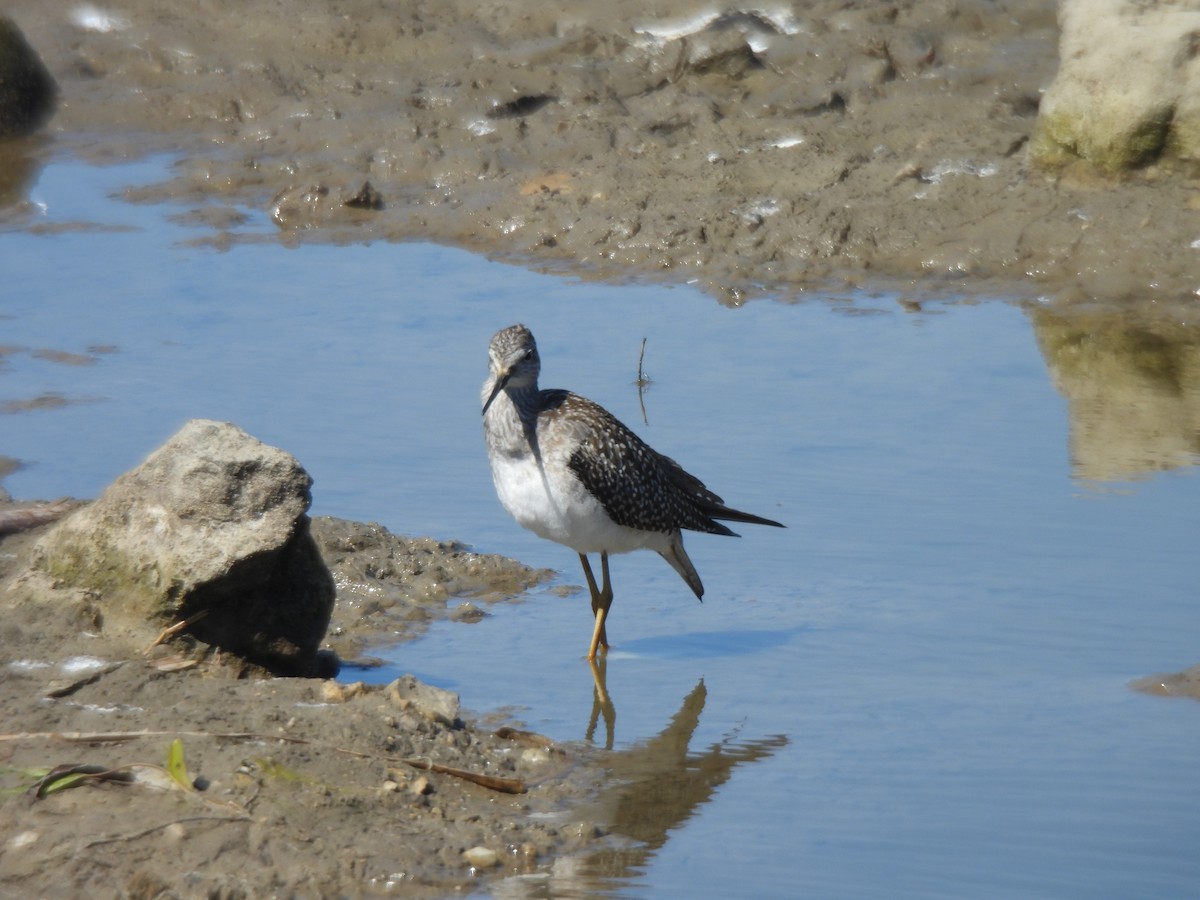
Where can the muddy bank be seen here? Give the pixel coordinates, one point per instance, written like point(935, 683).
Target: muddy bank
point(307, 787)
point(313, 788)
point(873, 144)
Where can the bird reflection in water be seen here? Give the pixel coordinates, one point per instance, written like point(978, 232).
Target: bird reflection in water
point(602, 705)
point(658, 784)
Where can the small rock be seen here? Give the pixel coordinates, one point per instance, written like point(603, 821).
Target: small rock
point(468, 612)
point(175, 833)
point(421, 786)
point(481, 857)
point(535, 756)
point(366, 198)
point(430, 702)
point(22, 840)
point(336, 692)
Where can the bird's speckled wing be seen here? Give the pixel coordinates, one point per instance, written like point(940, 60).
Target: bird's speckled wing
point(637, 486)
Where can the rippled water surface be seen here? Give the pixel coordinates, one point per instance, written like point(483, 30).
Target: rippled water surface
point(918, 689)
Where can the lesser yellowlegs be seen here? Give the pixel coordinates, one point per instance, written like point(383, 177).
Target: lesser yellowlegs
point(569, 471)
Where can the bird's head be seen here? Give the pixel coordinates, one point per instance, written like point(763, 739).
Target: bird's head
point(513, 361)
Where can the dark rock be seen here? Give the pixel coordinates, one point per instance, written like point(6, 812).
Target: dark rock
point(27, 90)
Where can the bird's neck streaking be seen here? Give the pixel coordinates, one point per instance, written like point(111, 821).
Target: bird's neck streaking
point(512, 419)
point(525, 399)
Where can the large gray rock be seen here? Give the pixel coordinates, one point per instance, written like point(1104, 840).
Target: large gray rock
point(1128, 86)
point(213, 524)
point(27, 90)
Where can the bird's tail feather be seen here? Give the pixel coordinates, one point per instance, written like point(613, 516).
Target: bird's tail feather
point(707, 503)
point(736, 515)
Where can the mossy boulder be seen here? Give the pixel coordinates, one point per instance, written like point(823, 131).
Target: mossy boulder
point(211, 528)
point(1125, 93)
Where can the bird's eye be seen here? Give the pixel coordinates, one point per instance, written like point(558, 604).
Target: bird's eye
point(528, 354)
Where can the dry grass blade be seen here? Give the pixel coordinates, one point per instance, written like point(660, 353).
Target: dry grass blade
point(495, 783)
point(503, 785)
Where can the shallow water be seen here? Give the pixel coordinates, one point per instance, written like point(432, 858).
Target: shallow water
point(918, 689)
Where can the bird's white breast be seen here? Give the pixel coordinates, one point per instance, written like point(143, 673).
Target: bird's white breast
point(546, 497)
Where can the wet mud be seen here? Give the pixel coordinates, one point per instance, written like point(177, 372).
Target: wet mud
point(137, 768)
point(791, 150)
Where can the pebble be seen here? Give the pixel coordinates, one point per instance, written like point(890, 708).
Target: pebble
point(22, 840)
point(434, 704)
point(481, 857)
point(335, 692)
point(467, 612)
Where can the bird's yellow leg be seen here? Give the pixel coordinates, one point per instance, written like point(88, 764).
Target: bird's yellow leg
point(606, 596)
point(601, 601)
point(598, 633)
point(591, 580)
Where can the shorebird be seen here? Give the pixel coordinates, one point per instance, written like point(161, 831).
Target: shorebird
point(571, 472)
